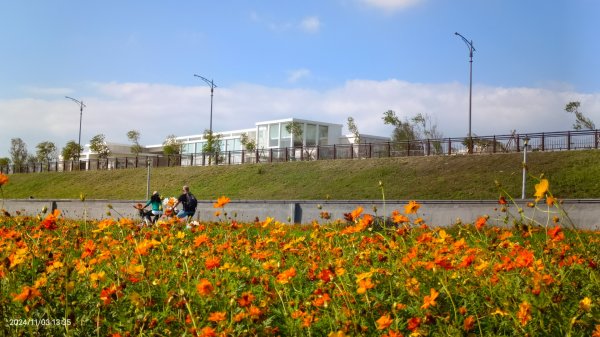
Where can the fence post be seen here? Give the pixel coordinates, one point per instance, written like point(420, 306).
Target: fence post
point(428, 147)
point(449, 146)
point(351, 151)
point(334, 154)
point(256, 156)
point(518, 143)
point(543, 142)
point(596, 139)
point(568, 140)
point(408, 148)
point(370, 150)
point(318, 151)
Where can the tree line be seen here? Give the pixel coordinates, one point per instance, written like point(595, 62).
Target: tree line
point(419, 127)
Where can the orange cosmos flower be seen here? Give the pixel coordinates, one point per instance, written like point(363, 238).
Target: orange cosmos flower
point(201, 239)
point(3, 179)
point(50, 221)
point(216, 316)
point(399, 218)
point(326, 275)
point(204, 287)
point(254, 312)
point(480, 222)
point(556, 234)
point(88, 249)
point(430, 300)
point(524, 314)
point(412, 207)
point(322, 300)
point(285, 276)
point(26, 294)
point(414, 323)
point(352, 216)
point(469, 323)
point(364, 285)
point(143, 247)
point(393, 333)
point(384, 322)
point(246, 299)
point(502, 200)
point(207, 332)
point(110, 293)
point(541, 189)
point(221, 202)
point(212, 262)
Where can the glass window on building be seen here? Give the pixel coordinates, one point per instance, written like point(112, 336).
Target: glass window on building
point(187, 148)
point(323, 135)
point(311, 135)
point(262, 136)
point(274, 135)
point(286, 137)
point(229, 145)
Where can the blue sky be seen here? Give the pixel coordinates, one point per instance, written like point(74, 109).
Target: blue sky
point(132, 63)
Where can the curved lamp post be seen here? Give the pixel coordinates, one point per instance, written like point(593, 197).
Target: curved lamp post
point(471, 50)
point(81, 106)
point(212, 86)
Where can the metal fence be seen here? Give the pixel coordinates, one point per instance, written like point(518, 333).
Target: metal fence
point(544, 141)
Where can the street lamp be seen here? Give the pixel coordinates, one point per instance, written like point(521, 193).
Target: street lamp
point(471, 50)
point(212, 86)
point(81, 106)
point(525, 143)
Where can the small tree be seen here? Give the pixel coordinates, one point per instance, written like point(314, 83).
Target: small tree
point(212, 147)
point(134, 137)
point(581, 121)
point(172, 145)
point(98, 145)
point(404, 132)
point(4, 161)
point(295, 129)
point(354, 130)
point(71, 150)
point(18, 152)
point(46, 151)
point(248, 143)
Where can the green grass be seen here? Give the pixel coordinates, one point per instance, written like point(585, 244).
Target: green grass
point(573, 174)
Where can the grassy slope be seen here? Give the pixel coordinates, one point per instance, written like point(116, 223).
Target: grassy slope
point(574, 174)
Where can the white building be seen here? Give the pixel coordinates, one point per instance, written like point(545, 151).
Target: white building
point(268, 136)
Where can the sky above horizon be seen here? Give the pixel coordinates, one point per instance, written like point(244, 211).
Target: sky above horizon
point(133, 63)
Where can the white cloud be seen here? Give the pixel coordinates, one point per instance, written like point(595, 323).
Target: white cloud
point(157, 110)
point(296, 75)
point(310, 24)
point(391, 5)
point(40, 91)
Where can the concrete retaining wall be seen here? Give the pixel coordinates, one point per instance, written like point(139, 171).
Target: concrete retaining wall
point(585, 214)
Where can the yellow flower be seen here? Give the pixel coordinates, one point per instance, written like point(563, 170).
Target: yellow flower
point(541, 189)
point(585, 304)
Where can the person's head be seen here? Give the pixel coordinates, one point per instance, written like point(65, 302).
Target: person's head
point(155, 196)
point(186, 189)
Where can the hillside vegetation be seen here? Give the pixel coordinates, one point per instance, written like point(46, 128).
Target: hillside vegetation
point(573, 174)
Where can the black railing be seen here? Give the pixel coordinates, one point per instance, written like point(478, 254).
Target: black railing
point(544, 141)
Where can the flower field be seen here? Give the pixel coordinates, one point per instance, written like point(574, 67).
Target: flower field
point(340, 277)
